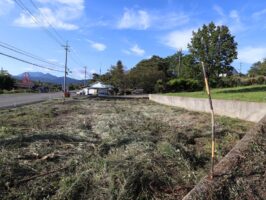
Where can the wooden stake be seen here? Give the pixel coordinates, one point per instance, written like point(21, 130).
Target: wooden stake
point(212, 118)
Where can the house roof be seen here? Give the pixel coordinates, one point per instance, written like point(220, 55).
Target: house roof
point(99, 85)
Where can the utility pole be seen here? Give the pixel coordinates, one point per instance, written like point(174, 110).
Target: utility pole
point(85, 75)
point(66, 47)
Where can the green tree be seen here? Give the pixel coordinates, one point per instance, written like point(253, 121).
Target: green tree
point(6, 80)
point(189, 68)
point(149, 74)
point(258, 68)
point(117, 75)
point(215, 46)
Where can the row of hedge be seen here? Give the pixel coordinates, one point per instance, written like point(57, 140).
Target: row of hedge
point(189, 85)
point(235, 81)
point(181, 84)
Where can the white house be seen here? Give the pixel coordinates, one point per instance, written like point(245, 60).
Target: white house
point(98, 89)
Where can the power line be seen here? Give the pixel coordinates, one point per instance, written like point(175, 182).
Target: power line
point(25, 61)
point(75, 61)
point(47, 21)
point(17, 50)
point(80, 62)
point(23, 7)
point(37, 21)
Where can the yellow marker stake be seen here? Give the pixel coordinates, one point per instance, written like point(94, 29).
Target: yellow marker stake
point(212, 118)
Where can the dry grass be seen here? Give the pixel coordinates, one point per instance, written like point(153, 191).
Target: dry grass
point(107, 149)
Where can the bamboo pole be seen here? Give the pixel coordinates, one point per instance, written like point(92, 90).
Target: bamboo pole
point(212, 119)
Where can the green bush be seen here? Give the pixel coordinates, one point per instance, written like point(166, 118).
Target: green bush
point(261, 80)
point(235, 81)
point(178, 85)
point(159, 86)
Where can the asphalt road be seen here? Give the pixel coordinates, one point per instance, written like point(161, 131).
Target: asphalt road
point(14, 100)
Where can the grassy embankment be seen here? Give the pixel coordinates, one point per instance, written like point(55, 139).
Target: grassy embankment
point(107, 149)
point(254, 93)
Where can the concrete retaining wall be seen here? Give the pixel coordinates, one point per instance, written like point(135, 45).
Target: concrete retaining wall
point(249, 111)
point(226, 172)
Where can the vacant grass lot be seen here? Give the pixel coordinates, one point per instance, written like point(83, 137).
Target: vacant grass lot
point(255, 93)
point(107, 149)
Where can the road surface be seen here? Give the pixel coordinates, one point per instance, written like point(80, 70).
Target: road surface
point(14, 100)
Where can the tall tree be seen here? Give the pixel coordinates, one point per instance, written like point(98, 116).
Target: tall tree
point(189, 67)
point(6, 80)
point(258, 68)
point(117, 74)
point(148, 73)
point(215, 46)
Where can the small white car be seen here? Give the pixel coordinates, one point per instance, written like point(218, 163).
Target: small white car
point(80, 92)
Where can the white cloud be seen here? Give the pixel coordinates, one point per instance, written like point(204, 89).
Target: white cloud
point(234, 15)
point(178, 39)
point(126, 52)
point(235, 23)
point(259, 14)
point(232, 20)
point(76, 3)
point(134, 20)
point(58, 15)
point(219, 10)
point(251, 55)
point(44, 19)
point(142, 19)
point(53, 60)
point(96, 45)
point(5, 6)
point(99, 46)
point(78, 73)
point(135, 50)
point(169, 21)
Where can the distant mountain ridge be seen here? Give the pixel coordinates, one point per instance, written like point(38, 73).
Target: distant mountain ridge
point(48, 78)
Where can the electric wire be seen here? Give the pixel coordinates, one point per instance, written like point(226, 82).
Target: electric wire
point(17, 50)
point(37, 21)
point(28, 62)
point(27, 10)
point(58, 35)
point(47, 21)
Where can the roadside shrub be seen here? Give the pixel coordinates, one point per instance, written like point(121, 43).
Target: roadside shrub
point(261, 80)
point(234, 81)
point(178, 85)
point(159, 86)
point(231, 81)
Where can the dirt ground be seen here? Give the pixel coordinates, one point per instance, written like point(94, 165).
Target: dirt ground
point(107, 149)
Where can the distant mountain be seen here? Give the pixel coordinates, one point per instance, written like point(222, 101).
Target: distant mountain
point(48, 78)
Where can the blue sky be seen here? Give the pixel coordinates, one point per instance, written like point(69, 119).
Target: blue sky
point(100, 32)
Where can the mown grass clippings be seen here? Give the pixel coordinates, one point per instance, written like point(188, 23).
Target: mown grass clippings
point(106, 149)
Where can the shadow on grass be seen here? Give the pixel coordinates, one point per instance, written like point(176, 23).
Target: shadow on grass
point(244, 90)
point(25, 140)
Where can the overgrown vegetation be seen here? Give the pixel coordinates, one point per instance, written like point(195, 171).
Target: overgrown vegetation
point(101, 149)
